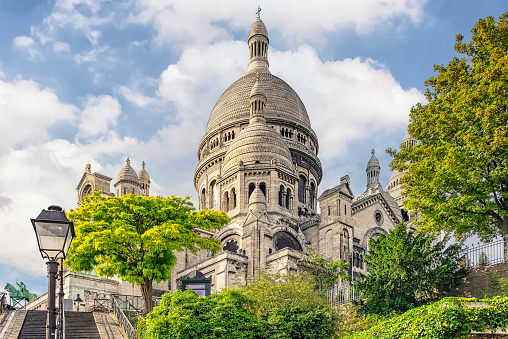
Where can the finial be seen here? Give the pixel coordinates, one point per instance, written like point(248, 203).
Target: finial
point(373, 152)
point(143, 164)
point(258, 11)
point(128, 161)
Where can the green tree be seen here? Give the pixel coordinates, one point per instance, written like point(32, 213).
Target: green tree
point(268, 291)
point(457, 175)
point(407, 270)
point(325, 272)
point(135, 237)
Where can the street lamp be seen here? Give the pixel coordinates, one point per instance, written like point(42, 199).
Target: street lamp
point(77, 301)
point(54, 235)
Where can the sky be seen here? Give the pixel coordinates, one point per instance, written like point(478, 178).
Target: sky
point(96, 81)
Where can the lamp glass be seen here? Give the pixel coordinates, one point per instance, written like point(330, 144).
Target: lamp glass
point(53, 238)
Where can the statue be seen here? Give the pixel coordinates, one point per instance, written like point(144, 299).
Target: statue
point(21, 294)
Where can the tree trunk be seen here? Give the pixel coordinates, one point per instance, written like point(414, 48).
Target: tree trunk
point(146, 290)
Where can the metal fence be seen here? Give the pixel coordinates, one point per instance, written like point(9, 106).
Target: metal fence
point(342, 293)
point(122, 318)
point(483, 255)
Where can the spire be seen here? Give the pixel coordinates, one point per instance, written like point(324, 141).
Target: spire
point(258, 46)
point(372, 170)
point(257, 100)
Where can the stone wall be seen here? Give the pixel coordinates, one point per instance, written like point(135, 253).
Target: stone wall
point(478, 279)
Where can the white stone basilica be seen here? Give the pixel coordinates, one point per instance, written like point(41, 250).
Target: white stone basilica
point(258, 162)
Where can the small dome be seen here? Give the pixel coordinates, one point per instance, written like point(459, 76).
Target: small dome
point(258, 28)
point(257, 201)
point(127, 173)
point(143, 174)
point(257, 89)
point(373, 162)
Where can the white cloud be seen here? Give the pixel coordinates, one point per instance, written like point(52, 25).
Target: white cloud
point(357, 97)
point(298, 21)
point(61, 48)
point(99, 115)
point(27, 112)
point(27, 45)
point(23, 41)
point(136, 97)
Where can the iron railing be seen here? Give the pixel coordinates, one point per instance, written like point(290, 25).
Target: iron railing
point(122, 318)
point(483, 255)
point(342, 293)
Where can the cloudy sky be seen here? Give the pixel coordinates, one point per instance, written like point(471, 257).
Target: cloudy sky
point(91, 81)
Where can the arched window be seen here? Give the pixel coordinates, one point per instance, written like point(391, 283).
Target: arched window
point(233, 195)
point(283, 240)
point(203, 199)
point(301, 188)
point(251, 189)
point(213, 195)
point(232, 134)
point(329, 244)
point(288, 196)
point(125, 190)
point(313, 196)
point(329, 210)
point(345, 236)
point(133, 191)
point(281, 194)
point(262, 187)
point(226, 202)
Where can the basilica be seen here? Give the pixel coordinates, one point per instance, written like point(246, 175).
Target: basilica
point(258, 161)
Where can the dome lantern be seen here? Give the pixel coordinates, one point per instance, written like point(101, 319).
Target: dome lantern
point(373, 169)
point(258, 46)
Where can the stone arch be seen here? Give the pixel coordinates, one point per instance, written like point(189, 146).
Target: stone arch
point(372, 232)
point(286, 229)
point(283, 240)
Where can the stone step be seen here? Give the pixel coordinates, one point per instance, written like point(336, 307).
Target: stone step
point(81, 325)
point(34, 325)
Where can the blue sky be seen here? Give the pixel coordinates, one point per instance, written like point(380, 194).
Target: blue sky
point(84, 81)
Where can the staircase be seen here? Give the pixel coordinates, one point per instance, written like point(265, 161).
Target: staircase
point(80, 325)
point(34, 325)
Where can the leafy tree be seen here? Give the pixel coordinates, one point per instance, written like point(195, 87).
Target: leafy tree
point(457, 174)
point(270, 291)
point(325, 272)
point(135, 237)
point(407, 270)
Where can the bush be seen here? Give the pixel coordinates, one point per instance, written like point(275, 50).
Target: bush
point(300, 322)
point(447, 318)
point(184, 315)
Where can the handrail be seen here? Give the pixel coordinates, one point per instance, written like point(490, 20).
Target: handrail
point(123, 320)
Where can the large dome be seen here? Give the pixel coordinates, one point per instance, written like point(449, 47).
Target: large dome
point(233, 105)
point(257, 142)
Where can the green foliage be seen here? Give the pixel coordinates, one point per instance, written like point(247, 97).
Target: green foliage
point(499, 286)
point(351, 321)
point(325, 272)
point(300, 322)
point(267, 291)
point(447, 318)
point(457, 175)
point(184, 315)
point(134, 236)
point(406, 270)
point(271, 307)
point(483, 260)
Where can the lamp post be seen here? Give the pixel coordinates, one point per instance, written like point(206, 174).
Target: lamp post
point(54, 235)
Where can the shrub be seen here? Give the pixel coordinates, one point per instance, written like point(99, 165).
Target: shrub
point(447, 318)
